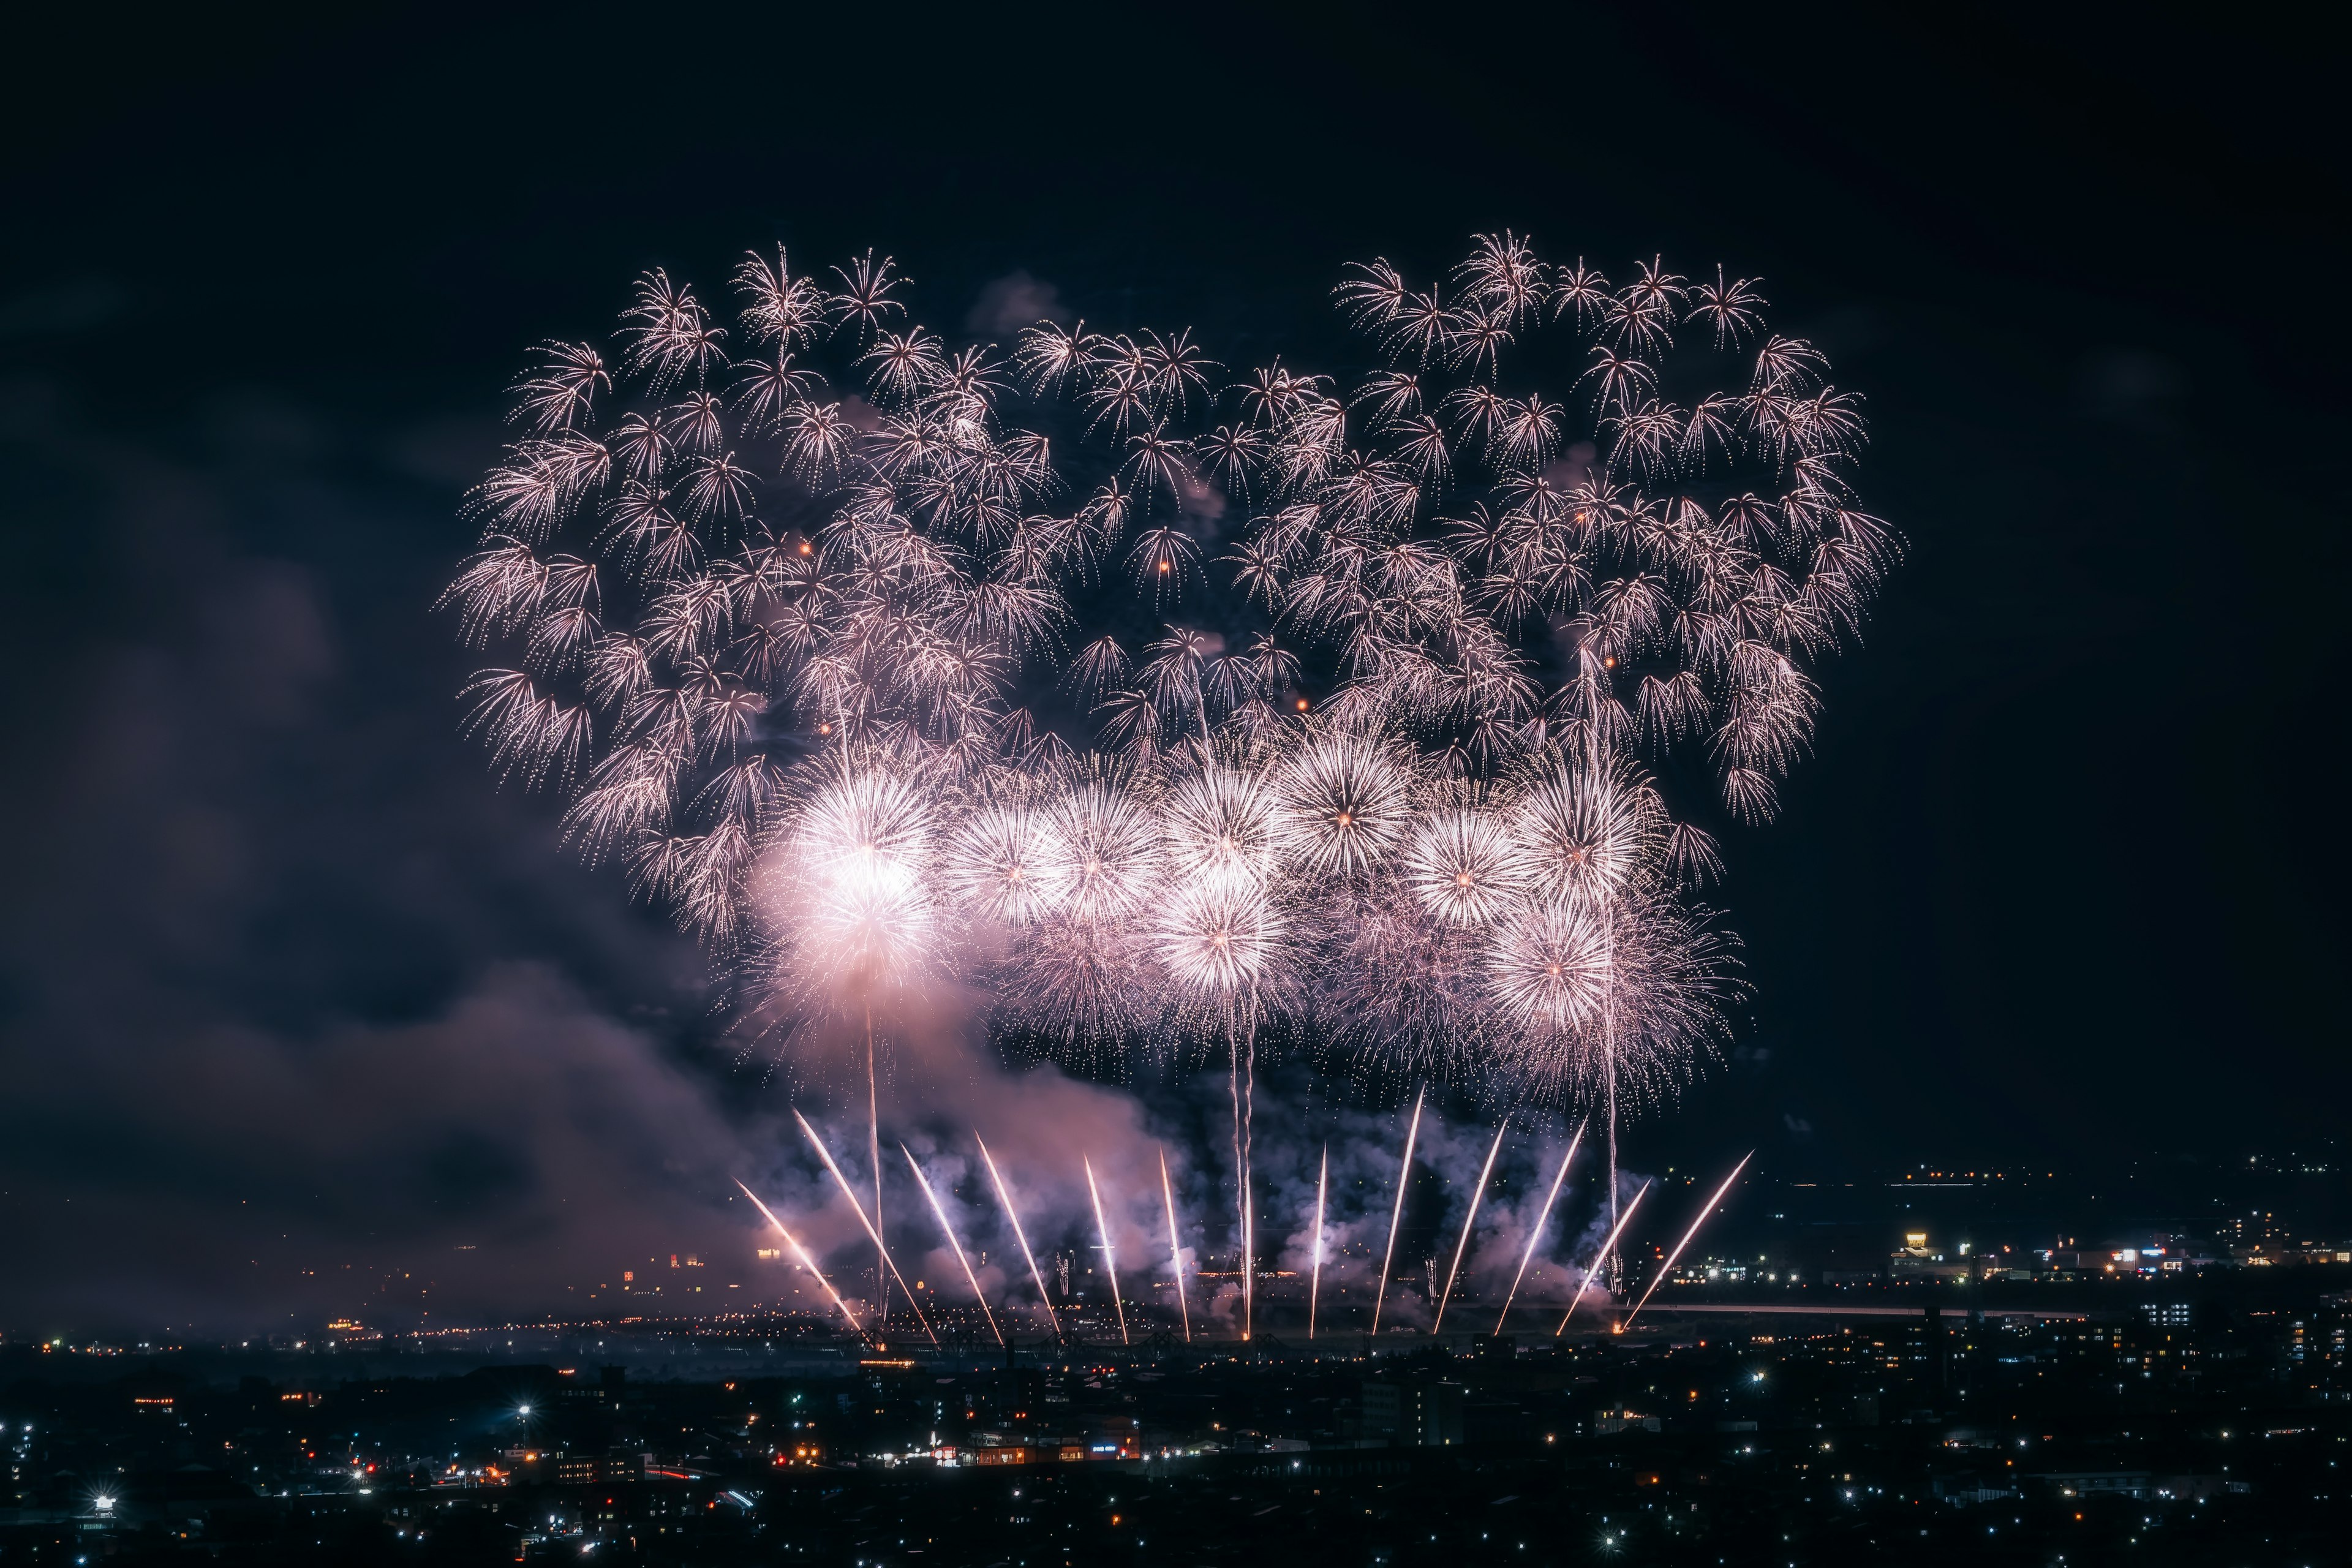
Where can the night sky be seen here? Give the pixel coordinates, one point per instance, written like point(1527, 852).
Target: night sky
point(278, 968)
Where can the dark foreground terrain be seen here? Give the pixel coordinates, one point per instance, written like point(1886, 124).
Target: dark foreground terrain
point(2210, 1431)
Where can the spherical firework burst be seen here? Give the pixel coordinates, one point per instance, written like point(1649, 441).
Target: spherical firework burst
point(1106, 846)
point(1346, 803)
point(1221, 823)
point(1585, 833)
point(1548, 964)
point(1465, 867)
point(1007, 863)
point(1221, 938)
point(1083, 980)
point(851, 892)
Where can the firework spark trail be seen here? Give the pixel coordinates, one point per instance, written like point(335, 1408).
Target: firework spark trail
point(1249, 1194)
point(1608, 1051)
point(1241, 1179)
point(806, 1262)
point(1315, 1281)
point(1396, 1216)
point(1175, 1247)
point(851, 1193)
point(1469, 1220)
point(1534, 1237)
point(1004, 1196)
point(1667, 1267)
point(857, 921)
point(1584, 1280)
point(1110, 1262)
point(873, 1158)
point(1223, 933)
point(948, 1231)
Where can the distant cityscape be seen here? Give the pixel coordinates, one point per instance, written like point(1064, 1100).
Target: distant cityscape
point(2150, 1389)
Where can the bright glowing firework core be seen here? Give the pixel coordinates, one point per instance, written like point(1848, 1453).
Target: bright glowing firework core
point(859, 908)
point(1668, 1267)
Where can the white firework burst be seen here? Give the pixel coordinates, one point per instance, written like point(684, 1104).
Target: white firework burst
point(1548, 964)
point(1007, 864)
point(1221, 938)
point(1346, 803)
point(1221, 826)
point(1465, 866)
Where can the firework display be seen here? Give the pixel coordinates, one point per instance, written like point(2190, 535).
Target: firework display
point(1183, 714)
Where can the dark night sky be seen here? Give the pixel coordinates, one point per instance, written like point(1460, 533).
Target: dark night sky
point(276, 962)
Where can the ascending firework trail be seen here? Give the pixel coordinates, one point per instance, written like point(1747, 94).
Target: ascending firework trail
point(956, 1247)
point(1175, 1249)
point(1534, 1234)
point(850, 1194)
point(1396, 1216)
point(1704, 1210)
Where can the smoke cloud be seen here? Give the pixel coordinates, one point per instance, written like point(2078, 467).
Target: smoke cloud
point(1016, 300)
